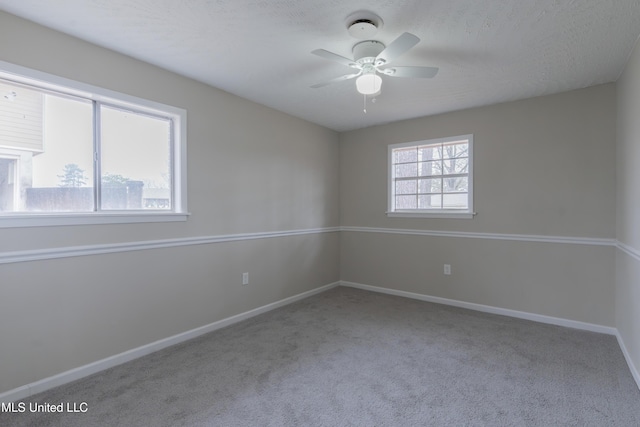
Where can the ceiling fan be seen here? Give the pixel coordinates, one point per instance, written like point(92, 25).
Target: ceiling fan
point(371, 59)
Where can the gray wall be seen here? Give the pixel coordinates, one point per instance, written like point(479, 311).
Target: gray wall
point(250, 169)
point(628, 208)
point(542, 167)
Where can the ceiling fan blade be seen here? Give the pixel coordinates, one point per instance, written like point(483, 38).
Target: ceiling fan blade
point(397, 47)
point(416, 72)
point(335, 57)
point(336, 80)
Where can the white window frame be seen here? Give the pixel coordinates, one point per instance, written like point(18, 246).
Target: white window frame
point(178, 117)
point(436, 212)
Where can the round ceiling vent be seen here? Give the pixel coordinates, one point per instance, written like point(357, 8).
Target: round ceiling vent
point(363, 25)
point(363, 29)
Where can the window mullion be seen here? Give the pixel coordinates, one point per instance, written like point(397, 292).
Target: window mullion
point(175, 198)
point(97, 173)
point(417, 162)
point(442, 178)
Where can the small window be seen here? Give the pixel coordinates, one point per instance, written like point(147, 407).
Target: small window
point(71, 153)
point(431, 178)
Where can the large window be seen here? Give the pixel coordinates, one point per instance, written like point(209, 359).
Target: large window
point(72, 153)
point(432, 178)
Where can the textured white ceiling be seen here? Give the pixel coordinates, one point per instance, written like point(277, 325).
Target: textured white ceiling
point(488, 51)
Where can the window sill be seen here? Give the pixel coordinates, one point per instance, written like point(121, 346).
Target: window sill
point(44, 220)
point(423, 214)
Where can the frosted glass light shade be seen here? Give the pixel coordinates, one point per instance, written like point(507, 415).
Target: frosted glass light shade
point(369, 84)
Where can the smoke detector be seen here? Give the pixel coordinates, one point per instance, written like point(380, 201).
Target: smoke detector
point(363, 25)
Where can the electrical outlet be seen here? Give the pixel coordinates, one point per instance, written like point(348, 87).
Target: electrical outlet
point(447, 269)
point(245, 278)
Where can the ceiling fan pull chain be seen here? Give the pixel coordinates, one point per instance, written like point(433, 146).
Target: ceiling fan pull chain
point(365, 103)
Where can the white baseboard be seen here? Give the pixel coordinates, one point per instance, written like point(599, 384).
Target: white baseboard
point(118, 359)
point(489, 309)
point(511, 313)
point(100, 365)
point(627, 356)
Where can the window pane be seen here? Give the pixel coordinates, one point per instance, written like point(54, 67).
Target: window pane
point(456, 166)
point(406, 202)
point(430, 185)
point(453, 150)
point(406, 171)
point(46, 152)
point(430, 152)
point(430, 202)
point(406, 187)
point(456, 185)
point(430, 168)
point(455, 201)
point(405, 155)
point(136, 159)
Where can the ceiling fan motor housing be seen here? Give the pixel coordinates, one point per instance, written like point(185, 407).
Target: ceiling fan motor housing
point(366, 51)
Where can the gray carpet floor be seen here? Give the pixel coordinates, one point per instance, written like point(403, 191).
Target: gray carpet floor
point(348, 357)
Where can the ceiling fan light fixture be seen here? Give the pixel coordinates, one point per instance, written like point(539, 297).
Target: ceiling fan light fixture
point(369, 83)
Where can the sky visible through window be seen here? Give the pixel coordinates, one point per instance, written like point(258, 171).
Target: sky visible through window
point(68, 139)
point(129, 144)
